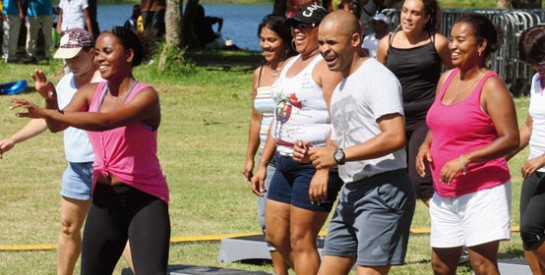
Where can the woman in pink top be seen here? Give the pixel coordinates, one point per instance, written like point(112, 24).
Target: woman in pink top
point(130, 193)
point(472, 127)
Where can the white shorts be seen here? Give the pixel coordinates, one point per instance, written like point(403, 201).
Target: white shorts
point(471, 219)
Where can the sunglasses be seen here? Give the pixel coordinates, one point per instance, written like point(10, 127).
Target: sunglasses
point(302, 25)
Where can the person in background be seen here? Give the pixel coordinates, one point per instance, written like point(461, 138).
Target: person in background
point(371, 224)
point(275, 42)
point(13, 14)
point(130, 193)
point(466, 155)
point(132, 22)
point(40, 15)
point(73, 14)
point(532, 132)
point(294, 6)
point(352, 6)
point(208, 38)
point(380, 29)
point(415, 53)
point(153, 17)
point(300, 196)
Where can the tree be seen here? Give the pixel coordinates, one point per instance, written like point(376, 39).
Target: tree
point(173, 21)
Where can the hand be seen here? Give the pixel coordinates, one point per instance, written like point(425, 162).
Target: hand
point(300, 151)
point(33, 111)
point(258, 181)
point(322, 157)
point(44, 87)
point(531, 165)
point(450, 170)
point(424, 154)
point(248, 169)
point(6, 145)
point(317, 191)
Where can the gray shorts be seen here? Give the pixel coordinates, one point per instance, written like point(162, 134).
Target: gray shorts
point(77, 181)
point(372, 220)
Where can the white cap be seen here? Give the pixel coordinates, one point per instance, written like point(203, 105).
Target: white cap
point(381, 17)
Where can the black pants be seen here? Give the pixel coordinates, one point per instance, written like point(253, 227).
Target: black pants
point(532, 211)
point(423, 186)
point(119, 213)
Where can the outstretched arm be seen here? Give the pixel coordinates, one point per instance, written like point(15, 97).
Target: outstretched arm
point(33, 128)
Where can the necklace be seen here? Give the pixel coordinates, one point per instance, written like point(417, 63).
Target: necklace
point(126, 94)
point(470, 85)
point(275, 72)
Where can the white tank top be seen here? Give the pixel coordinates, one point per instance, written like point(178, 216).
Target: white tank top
point(301, 111)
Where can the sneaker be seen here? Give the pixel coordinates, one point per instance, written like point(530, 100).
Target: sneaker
point(464, 257)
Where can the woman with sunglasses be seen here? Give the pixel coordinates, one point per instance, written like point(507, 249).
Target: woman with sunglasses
point(532, 197)
point(275, 40)
point(414, 53)
point(300, 197)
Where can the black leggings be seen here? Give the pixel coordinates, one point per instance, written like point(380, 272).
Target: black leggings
point(532, 211)
point(423, 186)
point(119, 213)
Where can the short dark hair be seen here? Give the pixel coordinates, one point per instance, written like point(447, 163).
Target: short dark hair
point(531, 45)
point(129, 40)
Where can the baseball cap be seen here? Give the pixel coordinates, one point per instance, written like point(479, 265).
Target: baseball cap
point(380, 17)
point(72, 42)
point(310, 15)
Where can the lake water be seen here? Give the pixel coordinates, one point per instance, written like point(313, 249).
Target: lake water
point(239, 21)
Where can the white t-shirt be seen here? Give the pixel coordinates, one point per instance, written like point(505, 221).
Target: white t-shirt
point(77, 147)
point(369, 93)
point(72, 14)
point(537, 112)
point(370, 42)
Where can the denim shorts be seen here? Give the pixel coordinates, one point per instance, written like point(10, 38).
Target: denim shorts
point(291, 182)
point(77, 181)
point(373, 219)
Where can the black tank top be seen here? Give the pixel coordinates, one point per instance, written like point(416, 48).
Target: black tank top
point(418, 70)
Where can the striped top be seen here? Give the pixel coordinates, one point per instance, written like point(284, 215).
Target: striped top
point(264, 104)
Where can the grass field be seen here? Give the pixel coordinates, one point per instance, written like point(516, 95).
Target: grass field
point(202, 142)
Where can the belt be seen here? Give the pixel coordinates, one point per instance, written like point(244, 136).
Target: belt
point(286, 154)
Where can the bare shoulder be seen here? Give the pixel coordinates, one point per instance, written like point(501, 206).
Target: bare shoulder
point(440, 41)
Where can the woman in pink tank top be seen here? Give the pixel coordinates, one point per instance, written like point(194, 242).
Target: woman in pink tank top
point(472, 128)
point(130, 193)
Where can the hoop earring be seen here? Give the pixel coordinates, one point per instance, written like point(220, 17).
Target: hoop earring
point(480, 52)
point(293, 45)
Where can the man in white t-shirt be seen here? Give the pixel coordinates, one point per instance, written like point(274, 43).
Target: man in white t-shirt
point(379, 22)
point(371, 223)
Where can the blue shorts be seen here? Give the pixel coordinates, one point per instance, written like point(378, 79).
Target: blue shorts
point(373, 219)
point(291, 182)
point(77, 181)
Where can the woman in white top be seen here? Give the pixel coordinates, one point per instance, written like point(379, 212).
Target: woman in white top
point(532, 197)
point(300, 197)
point(275, 40)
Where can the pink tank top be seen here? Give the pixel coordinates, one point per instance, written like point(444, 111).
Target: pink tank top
point(459, 128)
point(129, 153)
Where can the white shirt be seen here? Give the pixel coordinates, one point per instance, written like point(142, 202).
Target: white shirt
point(537, 112)
point(72, 14)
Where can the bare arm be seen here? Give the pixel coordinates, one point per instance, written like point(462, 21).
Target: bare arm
point(382, 49)
point(33, 128)
point(326, 79)
point(441, 46)
point(59, 22)
point(253, 133)
point(525, 131)
point(88, 21)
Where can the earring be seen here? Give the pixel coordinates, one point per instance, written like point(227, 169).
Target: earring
point(480, 52)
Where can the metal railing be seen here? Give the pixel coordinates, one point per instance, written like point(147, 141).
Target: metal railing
point(505, 61)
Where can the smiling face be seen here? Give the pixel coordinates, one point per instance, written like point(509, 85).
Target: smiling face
point(413, 16)
point(111, 57)
point(464, 46)
point(305, 38)
point(339, 41)
point(274, 48)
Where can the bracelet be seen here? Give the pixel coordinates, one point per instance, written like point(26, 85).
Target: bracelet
point(464, 167)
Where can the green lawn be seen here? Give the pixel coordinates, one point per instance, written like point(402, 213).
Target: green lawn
point(202, 141)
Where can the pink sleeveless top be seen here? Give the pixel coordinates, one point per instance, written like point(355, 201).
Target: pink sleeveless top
point(459, 128)
point(129, 153)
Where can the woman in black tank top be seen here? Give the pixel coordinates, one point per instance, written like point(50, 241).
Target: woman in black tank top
point(415, 53)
